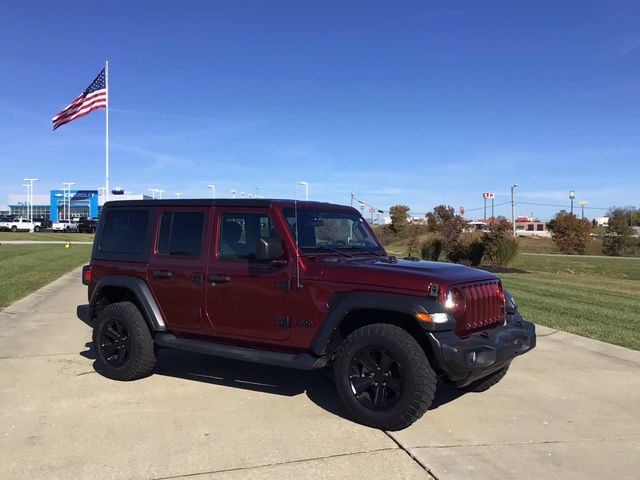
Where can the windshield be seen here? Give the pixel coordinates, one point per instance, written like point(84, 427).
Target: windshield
point(327, 229)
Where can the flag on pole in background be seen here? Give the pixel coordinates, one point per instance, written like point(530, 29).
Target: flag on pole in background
point(94, 97)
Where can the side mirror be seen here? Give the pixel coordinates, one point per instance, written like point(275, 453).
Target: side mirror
point(269, 249)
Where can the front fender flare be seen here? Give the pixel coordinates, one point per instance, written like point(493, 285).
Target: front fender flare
point(341, 304)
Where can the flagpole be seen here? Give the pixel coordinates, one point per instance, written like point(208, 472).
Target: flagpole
point(106, 180)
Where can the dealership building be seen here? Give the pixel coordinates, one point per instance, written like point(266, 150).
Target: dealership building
point(60, 204)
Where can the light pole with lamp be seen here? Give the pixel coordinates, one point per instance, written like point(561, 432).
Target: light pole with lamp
point(582, 203)
point(213, 190)
point(572, 195)
point(177, 194)
point(306, 189)
point(67, 197)
point(153, 192)
point(30, 196)
point(233, 193)
point(160, 192)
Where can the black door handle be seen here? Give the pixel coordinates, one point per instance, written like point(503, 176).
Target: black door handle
point(161, 274)
point(219, 279)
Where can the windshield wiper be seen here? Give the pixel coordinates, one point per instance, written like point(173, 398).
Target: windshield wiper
point(329, 249)
point(372, 252)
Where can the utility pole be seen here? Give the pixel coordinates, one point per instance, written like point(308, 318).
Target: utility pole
point(513, 207)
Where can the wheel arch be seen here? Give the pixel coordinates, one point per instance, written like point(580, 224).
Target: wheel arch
point(122, 288)
point(348, 312)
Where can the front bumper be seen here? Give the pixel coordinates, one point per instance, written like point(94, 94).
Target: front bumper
point(85, 313)
point(465, 360)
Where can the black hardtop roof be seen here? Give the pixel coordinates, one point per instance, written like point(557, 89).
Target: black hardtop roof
point(222, 202)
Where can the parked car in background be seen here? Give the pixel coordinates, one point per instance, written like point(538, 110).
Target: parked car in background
point(44, 222)
point(18, 225)
point(64, 226)
point(87, 225)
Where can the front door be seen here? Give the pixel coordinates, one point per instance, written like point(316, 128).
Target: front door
point(177, 263)
point(246, 297)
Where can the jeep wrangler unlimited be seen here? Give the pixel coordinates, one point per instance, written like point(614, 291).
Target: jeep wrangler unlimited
point(294, 284)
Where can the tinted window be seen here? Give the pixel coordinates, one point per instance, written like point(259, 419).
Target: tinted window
point(124, 232)
point(540, 227)
point(530, 227)
point(239, 233)
point(180, 234)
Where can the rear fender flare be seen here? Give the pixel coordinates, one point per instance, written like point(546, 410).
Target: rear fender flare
point(150, 309)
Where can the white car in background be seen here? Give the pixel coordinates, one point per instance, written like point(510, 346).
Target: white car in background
point(64, 226)
point(18, 225)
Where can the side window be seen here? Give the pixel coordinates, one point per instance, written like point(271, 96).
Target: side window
point(180, 234)
point(530, 227)
point(239, 233)
point(124, 232)
point(540, 227)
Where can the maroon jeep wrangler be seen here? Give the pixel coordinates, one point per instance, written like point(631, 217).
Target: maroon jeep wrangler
point(295, 284)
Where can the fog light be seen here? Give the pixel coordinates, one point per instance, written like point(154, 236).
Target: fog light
point(472, 357)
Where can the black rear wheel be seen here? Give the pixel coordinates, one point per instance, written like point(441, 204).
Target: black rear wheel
point(123, 343)
point(383, 377)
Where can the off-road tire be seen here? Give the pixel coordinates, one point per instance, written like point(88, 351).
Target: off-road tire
point(418, 378)
point(141, 358)
point(484, 384)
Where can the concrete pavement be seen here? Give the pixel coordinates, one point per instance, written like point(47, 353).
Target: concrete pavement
point(567, 410)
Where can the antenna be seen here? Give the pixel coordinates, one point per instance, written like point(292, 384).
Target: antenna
point(295, 210)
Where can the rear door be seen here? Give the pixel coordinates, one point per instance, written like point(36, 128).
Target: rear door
point(246, 297)
point(176, 270)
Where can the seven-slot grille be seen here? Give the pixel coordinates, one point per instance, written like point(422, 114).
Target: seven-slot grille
point(484, 306)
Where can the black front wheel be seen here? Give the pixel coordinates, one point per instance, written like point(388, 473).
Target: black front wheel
point(383, 377)
point(123, 343)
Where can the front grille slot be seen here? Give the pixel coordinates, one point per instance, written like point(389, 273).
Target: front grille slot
point(485, 306)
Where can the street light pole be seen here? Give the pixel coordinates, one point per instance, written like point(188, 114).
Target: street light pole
point(177, 194)
point(306, 189)
point(513, 207)
point(572, 195)
point(160, 194)
point(233, 193)
point(67, 196)
point(213, 190)
point(153, 192)
point(582, 203)
point(352, 196)
point(30, 196)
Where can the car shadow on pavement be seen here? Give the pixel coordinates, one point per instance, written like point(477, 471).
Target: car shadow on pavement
point(316, 384)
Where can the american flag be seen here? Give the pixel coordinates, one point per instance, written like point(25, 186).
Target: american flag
point(94, 97)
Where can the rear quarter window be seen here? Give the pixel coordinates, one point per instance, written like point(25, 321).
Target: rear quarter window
point(124, 232)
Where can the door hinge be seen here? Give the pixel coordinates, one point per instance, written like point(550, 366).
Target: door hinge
point(282, 322)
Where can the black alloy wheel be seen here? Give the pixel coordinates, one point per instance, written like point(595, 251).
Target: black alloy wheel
point(115, 343)
point(376, 378)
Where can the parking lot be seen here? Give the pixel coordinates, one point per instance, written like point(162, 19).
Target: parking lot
point(567, 410)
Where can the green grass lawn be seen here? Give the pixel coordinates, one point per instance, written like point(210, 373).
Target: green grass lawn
point(49, 236)
point(26, 268)
point(593, 297)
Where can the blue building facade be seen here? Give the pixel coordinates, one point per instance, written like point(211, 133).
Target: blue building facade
point(81, 203)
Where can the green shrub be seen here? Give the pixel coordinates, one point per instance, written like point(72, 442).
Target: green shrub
point(431, 248)
point(505, 252)
point(468, 250)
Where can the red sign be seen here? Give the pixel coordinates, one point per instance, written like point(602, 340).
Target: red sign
point(461, 210)
point(488, 195)
point(371, 210)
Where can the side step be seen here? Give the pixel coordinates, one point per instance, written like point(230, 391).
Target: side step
point(300, 361)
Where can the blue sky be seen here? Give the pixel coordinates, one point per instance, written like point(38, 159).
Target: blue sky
point(418, 103)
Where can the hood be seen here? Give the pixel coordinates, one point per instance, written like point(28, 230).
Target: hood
point(399, 274)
